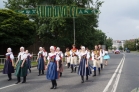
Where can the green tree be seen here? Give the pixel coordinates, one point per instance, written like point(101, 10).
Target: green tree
point(59, 31)
point(15, 29)
point(109, 42)
point(120, 48)
point(130, 44)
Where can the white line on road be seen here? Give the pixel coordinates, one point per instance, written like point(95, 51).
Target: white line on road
point(110, 81)
point(7, 86)
point(118, 76)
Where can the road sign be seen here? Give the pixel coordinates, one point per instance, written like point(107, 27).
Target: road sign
point(27, 11)
point(58, 11)
point(87, 11)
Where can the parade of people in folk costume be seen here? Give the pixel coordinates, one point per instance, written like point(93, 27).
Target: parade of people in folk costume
point(75, 59)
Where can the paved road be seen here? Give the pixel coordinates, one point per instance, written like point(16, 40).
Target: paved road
point(71, 82)
point(129, 79)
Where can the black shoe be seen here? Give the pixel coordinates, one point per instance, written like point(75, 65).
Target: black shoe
point(52, 87)
point(86, 77)
point(23, 82)
point(55, 87)
point(39, 75)
point(9, 79)
point(17, 82)
point(60, 74)
point(82, 81)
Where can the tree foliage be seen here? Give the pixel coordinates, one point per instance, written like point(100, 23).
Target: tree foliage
point(59, 31)
point(109, 42)
point(15, 29)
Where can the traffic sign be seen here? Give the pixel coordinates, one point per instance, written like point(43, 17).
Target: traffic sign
point(82, 11)
point(58, 11)
point(27, 11)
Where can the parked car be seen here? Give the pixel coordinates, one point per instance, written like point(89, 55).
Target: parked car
point(127, 51)
point(117, 52)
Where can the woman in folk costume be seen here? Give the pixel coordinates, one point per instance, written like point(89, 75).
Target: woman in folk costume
point(96, 55)
point(41, 59)
point(84, 69)
point(21, 66)
point(28, 60)
point(102, 54)
point(52, 67)
point(58, 52)
point(74, 54)
point(106, 57)
point(9, 64)
point(68, 57)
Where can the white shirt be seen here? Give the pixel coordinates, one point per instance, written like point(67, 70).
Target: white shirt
point(106, 52)
point(44, 54)
point(75, 52)
point(11, 55)
point(93, 55)
point(85, 53)
point(60, 54)
point(52, 54)
point(23, 55)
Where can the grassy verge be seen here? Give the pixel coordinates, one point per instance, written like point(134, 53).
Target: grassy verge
point(1, 67)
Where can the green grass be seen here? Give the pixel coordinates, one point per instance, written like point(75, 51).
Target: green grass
point(1, 67)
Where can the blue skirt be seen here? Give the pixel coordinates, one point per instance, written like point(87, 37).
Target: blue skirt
point(83, 70)
point(41, 65)
point(28, 62)
point(52, 73)
point(8, 68)
point(106, 57)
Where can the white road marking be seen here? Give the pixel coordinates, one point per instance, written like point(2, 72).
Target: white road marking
point(113, 76)
point(118, 77)
point(7, 86)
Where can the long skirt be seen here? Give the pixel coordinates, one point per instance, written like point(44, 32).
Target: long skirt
point(60, 66)
point(41, 65)
point(52, 73)
point(28, 62)
point(21, 71)
point(83, 70)
point(106, 57)
point(8, 68)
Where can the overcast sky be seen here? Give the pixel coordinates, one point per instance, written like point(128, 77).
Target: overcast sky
point(119, 19)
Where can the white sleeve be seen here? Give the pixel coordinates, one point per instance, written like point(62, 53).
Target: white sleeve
point(12, 56)
point(88, 56)
point(77, 52)
point(48, 58)
point(45, 54)
point(103, 53)
point(61, 54)
point(18, 55)
point(65, 53)
point(70, 52)
point(79, 56)
point(57, 57)
point(24, 56)
point(92, 56)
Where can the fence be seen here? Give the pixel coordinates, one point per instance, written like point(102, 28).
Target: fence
point(2, 60)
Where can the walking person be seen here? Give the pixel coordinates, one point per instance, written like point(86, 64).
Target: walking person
point(74, 54)
point(106, 57)
point(52, 67)
point(9, 64)
point(84, 69)
point(41, 59)
point(21, 66)
point(60, 54)
point(68, 57)
point(101, 57)
point(28, 60)
point(96, 59)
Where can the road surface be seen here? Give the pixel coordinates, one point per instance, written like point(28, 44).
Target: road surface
point(121, 75)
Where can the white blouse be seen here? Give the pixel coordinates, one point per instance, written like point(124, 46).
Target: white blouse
point(53, 54)
point(60, 53)
point(23, 55)
point(11, 55)
point(44, 54)
point(85, 53)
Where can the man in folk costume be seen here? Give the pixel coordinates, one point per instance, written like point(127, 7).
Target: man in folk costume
point(9, 64)
point(102, 54)
point(21, 66)
point(96, 59)
point(68, 57)
point(41, 59)
point(60, 54)
point(74, 54)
